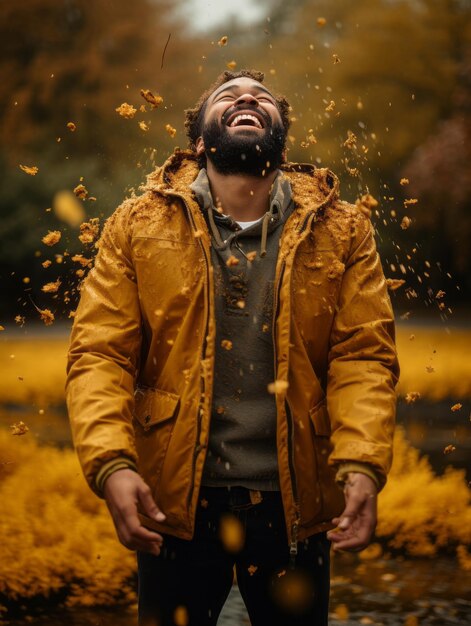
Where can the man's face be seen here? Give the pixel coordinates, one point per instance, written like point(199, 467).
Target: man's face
point(242, 129)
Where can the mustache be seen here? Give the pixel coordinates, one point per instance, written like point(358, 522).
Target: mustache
point(248, 108)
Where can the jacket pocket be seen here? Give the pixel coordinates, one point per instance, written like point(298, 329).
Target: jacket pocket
point(155, 413)
point(153, 406)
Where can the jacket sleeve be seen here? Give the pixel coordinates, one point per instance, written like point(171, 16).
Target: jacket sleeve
point(103, 354)
point(363, 366)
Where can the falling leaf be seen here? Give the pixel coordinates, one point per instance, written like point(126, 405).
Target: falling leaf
point(52, 237)
point(412, 397)
point(19, 428)
point(278, 386)
point(429, 369)
point(336, 59)
point(79, 258)
point(231, 65)
point(51, 287)
point(321, 21)
point(46, 316)
point(440, 294)
point(223, 41)
point(394, 283)
point(252, 569)
point(449, 449)
point(2, 327)
point(72, 127)
point(20, 319)
point(47, 263)
point(204, 503)
point(351, 140)
point(456, 407)
point(32, 171)
point(251, 255)
point(89, 230)
point(180, 616)
point(404, 181)
point(330, 106)
point(226, 344)
point(366, 204)
point(341, 612)
point(171, 130)
point(126, 110)
point(81, 192)
point(406, 222)
point(410, 201)
point(149, 97)
point(68, 208)
point(143, 126)
point(231, 532)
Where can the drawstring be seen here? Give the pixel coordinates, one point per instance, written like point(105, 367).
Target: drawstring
point(263, 244)
point(214, 228)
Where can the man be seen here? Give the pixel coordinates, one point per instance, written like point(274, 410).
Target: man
point(231, 371)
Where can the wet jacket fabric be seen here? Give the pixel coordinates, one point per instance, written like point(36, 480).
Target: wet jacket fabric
point(141, 358)
point(242, 437)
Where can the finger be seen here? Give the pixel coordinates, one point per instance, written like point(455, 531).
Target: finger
point(131, 526)
point(148, 504)
point(351, 511)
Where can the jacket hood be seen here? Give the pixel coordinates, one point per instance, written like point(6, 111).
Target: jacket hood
point(319, 187)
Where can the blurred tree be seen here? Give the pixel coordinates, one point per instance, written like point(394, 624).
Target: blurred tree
point(77, 61)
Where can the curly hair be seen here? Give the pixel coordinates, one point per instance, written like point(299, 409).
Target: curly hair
point(194, 116)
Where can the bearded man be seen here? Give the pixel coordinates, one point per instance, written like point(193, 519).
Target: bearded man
point(231, 371)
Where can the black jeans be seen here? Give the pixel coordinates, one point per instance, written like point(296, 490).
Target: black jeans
point(189, 581)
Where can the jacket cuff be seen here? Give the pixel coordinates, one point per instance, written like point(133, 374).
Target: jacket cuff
point(108, 468)
point(361, 468)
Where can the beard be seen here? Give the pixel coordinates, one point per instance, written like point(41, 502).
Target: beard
point(246, 152)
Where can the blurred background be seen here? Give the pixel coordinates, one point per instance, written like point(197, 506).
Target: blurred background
point(381, 94)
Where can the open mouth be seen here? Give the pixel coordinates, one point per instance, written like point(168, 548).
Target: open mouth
point(245, 119)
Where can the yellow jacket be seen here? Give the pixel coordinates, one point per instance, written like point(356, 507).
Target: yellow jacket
point(140, 365)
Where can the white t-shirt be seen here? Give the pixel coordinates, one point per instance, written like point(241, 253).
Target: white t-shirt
point(245, 225)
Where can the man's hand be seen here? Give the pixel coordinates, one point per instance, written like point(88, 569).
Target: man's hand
point(124, 490)
point(357, 523)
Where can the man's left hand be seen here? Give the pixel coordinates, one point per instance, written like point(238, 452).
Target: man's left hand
point(356, 525)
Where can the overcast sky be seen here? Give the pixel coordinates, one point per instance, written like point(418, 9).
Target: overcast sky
point(209, 13)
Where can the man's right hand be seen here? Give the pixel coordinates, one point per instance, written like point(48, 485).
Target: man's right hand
point(124, 490)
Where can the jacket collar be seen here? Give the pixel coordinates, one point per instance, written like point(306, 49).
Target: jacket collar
point(312, 188)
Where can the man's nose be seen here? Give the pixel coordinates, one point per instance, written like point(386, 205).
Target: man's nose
point(247, 98)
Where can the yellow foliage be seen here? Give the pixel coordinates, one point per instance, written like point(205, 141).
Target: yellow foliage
point(33, 370)
point(446, 352)
point(56, 535)
point(41, 362)
point(419, 512)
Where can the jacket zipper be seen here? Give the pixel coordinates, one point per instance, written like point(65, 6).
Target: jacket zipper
point(197, 446)
point(293, 546)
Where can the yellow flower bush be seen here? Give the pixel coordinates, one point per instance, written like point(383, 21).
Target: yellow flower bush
point(58, 539)
point(56, 535)
point(421, 513)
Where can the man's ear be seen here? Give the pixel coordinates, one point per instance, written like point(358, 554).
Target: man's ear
point(199, 146)
point(284, 155)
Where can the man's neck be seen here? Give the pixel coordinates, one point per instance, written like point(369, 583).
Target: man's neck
point(243, 197)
